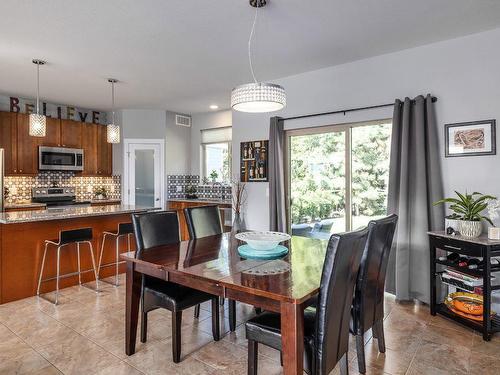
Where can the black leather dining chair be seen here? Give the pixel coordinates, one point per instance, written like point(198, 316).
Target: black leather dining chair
point(204, 221)
point(326, 327)
point(157, 229)
point(368, 302)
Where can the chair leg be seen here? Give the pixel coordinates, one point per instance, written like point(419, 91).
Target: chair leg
point(100, 255)
point(78, 263)
point(379, 327)
point(197, 311)
point(176, 335)
point(281, 359)
point(57, 274)
point(215, 319)
point(144, 326)
point(41, 270)
point(253, 347)
point(360, 350)
point(232, 315)
point(344, 365)
point(258, 310)
point(117, 259)
point(94, 268)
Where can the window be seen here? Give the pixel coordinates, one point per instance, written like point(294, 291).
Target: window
point(216, 154)
point(337, 177)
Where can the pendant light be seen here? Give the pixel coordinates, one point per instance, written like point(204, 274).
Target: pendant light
point(38, 123)
point(257, 96)
point(112, 129)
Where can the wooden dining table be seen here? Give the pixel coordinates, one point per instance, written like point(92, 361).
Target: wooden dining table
point(212, 264)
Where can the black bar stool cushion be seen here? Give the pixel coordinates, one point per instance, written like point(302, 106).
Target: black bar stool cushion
point(125, 228)
point(203, 221)
point(171, 296)
point(75, 235)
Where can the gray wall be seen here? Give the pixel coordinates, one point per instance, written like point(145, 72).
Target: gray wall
point(154, 124)
point(178, 147)
point(206, 121)
point(463, 73)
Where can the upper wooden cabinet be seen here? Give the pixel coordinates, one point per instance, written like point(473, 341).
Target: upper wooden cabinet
point(27, 147)
point(104, 153)
point(8, 133)
point(21, 149)
point(71, 133)
point(90, 151)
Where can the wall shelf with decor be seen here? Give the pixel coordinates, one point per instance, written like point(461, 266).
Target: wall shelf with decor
point(254, 161)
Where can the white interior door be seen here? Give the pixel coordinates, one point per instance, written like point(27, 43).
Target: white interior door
point(144, 174)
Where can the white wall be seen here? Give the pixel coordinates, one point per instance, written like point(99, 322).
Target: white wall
point(463, 73)
point(178, 147)
point(202, 121)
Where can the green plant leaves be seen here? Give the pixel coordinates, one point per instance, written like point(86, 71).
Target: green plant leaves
point(467, 206)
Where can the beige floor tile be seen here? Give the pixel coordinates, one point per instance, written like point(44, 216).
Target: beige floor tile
point(484, 364)
point(392, 361)
point(156, 358)
point(121, 368)
point(433, 358)
point(440, 335)
point(28, 363)
point(77, 355)
point(11, 346)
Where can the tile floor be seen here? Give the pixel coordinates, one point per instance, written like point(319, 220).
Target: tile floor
point(85, 335)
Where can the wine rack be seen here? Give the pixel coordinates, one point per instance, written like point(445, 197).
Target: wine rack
point(254, 161)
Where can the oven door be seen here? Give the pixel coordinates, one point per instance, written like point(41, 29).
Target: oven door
point(60, 159)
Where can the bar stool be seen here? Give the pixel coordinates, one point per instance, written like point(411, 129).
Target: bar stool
point(124, 229)
point(68, 237)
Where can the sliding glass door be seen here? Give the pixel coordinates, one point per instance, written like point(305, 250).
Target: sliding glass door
point(337, 177)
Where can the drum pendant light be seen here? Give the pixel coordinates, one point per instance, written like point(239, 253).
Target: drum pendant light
point(38, 124)
point(257, 96)
point(112, 129)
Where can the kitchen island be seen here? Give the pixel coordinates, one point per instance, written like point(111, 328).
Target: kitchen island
point(22, 236)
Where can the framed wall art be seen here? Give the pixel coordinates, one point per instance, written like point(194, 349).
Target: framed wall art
point(470, 138)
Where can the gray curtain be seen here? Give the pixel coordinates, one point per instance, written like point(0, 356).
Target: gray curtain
point(277, 207)
point(415, 182)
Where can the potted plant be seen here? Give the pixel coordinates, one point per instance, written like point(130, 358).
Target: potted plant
point(101, 193)
point(191, 192)
point(469, 209)
point(214, 175)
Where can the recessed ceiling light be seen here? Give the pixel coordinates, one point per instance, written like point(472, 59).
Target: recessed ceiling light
point(214, 106)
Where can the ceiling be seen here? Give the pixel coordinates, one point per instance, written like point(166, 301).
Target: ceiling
point(184, 55)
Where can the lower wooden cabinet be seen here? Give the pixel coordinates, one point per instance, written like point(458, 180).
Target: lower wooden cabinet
point(179, 206)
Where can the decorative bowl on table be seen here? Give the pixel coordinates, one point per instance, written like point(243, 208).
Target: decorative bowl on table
point(263, 241)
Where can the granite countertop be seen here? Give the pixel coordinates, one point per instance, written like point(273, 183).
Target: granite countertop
point(24, 204)
point(203, 200)
point(68, 212)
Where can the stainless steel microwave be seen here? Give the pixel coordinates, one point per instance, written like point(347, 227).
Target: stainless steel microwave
point(60, 159)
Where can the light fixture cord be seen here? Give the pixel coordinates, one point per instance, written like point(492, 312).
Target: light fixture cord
point(113, 102)
point(37, 88)
point(250, 44)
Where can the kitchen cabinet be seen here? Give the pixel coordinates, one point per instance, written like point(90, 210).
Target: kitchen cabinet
point(104, 153)
point(180, 205)
point(89, 146)
point(21, 149)
point(71, 133)
point(52, 134)
point(27, 147)
point(8, 135)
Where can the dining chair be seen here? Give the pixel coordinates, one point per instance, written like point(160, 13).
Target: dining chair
point(204, 221)
point(156, 229)
point(326, 327)
point(368, 302)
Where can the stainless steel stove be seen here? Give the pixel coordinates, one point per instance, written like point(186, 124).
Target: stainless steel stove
point(56, 196)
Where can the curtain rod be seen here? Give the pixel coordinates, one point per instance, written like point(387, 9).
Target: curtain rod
point(344, 111)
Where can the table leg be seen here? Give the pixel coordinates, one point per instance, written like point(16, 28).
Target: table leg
point(133, 297)
point(292, 337)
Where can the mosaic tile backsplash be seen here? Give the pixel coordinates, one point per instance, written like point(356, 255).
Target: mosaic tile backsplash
point(19, 187)
point(176, 187)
